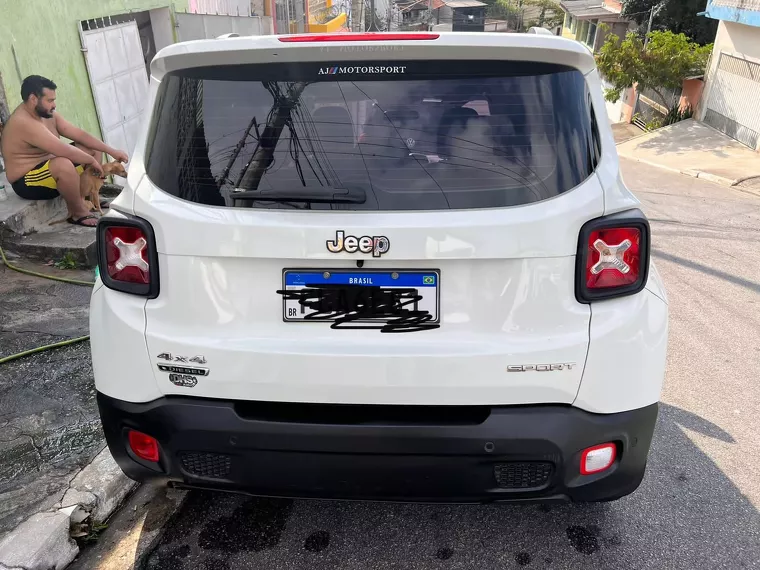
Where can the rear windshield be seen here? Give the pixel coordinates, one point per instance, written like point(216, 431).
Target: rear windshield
point(372, 135)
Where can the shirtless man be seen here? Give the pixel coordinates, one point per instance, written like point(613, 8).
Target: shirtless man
point(38, 164)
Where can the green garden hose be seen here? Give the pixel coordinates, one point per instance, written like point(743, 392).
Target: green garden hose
point(44, 276)
point(42, 348)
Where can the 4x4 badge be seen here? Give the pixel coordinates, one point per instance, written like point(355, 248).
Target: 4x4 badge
point(168, 356)
point(376, 245)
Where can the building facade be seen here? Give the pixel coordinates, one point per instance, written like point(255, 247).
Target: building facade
point(98, 52)
point(731, 97)
point(583, 23)
point(583, 18)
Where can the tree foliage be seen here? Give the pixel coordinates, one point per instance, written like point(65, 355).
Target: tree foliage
point(501, 9)
point(678, 16)
point(551, 14)
point(665, 62)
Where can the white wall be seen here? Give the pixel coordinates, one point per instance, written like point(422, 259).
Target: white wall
point(221, 7)
point(737, 39)
point(206, 26)
point(161, 23)
point(614, 110)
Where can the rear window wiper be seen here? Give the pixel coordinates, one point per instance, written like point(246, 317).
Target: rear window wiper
point(312, 195)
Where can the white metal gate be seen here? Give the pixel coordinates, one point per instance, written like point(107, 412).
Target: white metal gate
point(734, 99)
point(119, 81)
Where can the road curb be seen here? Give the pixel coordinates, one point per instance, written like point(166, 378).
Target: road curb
point(686, 172)
point(135, 530)
point(734, 183)
point(43, 541)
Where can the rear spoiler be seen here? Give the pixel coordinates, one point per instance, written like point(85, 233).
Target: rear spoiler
point(393, 47)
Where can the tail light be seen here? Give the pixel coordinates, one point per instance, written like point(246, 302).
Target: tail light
point(613, 257)
point(358, 37)
point(127, 257)
point(143, 446)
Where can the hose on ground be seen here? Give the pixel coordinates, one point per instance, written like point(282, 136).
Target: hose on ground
point(43, 348)
point(44, 276)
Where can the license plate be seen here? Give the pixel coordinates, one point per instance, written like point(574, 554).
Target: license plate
point(360, 296)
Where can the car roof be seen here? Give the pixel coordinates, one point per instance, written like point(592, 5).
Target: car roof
point(348, 47)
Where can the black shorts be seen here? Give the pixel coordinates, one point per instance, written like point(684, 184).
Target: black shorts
point(38, 183)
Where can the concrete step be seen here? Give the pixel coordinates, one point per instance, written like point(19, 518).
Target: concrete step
point(22, 217)
point(76, 241)
point(33, 230)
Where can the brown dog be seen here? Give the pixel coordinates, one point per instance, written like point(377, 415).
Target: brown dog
point(90, 182)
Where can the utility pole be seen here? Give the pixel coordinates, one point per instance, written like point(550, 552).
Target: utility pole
point(357, 15)
point(519, 15)
point(649, 25)
point(430, 15)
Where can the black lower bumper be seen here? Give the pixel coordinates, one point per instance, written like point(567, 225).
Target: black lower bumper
point(396, 453)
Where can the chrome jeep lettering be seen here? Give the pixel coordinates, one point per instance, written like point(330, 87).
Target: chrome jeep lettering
point(376, 245)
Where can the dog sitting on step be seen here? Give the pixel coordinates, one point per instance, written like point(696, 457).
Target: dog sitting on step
point(90, 183)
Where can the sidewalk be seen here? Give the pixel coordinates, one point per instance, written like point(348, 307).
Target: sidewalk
point(55, 470)
point(50, 426)
point(694, 149)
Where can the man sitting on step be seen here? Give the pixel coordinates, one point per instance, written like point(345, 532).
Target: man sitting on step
point(38, 164)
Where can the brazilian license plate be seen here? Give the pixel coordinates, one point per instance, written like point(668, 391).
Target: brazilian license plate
point(360, 296)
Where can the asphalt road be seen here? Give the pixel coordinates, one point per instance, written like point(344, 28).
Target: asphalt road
point(696, 509)
point(49, 424)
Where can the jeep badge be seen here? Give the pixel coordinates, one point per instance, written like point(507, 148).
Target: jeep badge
point(376, 245)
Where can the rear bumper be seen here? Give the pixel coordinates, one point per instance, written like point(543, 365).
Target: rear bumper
point(388, 453)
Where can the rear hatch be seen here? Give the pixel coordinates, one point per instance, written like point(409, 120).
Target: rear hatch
point(393, 226)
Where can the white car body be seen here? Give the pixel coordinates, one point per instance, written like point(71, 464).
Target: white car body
point(512, 332)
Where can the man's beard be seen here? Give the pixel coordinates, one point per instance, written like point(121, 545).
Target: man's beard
point(42, 112)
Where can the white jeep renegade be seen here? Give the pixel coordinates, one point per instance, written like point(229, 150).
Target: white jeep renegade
point(379, 266)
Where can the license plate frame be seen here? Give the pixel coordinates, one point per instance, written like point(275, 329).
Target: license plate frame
point(405, 277)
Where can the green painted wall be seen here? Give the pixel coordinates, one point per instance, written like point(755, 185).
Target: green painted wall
point(44, 34)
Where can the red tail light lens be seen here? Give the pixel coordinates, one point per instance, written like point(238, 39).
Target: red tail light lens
point(143, 446)
point(127, 256)
point(613, 257)
point(365, 37)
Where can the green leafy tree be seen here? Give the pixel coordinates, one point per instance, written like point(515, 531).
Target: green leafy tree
point(678, 16)
point(664, 63)
point(551, 14)
point(501, 9)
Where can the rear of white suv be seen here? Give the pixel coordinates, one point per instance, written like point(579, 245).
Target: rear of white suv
point(379, 266)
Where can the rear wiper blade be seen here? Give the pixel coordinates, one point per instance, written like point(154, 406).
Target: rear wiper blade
point(315, 195)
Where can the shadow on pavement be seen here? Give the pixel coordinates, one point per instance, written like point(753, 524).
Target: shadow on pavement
point(688, 136)
point(690, 145)
point(686, 514)
point(731, 278)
